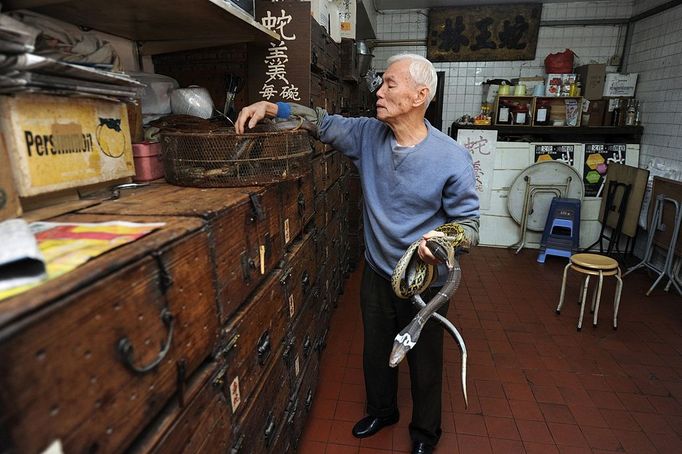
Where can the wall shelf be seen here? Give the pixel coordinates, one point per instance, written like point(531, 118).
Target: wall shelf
point(159, 26)
point(625, 134)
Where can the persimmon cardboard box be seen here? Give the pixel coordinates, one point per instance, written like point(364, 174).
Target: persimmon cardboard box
point(9, 200)
point(56, 143)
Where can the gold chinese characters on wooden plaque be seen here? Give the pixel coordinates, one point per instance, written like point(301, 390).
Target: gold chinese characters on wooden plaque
point(483, 33)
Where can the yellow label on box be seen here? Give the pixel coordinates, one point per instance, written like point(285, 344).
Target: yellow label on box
point(56, 142)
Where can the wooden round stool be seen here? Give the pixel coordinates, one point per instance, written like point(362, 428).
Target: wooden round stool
point(593, 265)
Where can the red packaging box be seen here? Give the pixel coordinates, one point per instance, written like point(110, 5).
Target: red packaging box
point(147, 157)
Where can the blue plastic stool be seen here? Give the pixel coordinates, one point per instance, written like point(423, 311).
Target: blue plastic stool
point(562, 229)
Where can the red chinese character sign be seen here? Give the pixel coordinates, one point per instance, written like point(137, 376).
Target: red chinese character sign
point(280, 71)
point(481, 144)
point(483, 33)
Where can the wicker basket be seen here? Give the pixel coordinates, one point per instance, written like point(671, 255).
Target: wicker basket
point(225, 159)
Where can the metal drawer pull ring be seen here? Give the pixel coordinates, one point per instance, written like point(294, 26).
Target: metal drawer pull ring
point(125, 347)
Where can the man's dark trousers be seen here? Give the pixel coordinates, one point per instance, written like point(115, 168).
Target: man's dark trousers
point(384, 315)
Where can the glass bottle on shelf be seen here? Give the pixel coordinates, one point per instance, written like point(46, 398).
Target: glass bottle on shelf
point(615, 118)
point(638, 114)
point(630, 113)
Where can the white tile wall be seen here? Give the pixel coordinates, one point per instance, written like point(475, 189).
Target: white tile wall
point(644, 5)
point(656, 54)
point(463, 90)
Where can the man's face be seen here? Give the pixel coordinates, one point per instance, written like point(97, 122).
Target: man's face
point(398, 93)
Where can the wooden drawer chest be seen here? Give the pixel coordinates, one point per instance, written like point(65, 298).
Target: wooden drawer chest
point(180, 341)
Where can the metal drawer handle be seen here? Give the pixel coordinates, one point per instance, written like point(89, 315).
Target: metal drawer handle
point(306, 346)
point(269, 429)
point(125, 347)
point(305, 281)
point(263, 348)
point(238, 445)
point(291, 410)
point(309, 399)
point(301, 204)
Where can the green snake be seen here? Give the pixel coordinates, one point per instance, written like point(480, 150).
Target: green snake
point(412, 276)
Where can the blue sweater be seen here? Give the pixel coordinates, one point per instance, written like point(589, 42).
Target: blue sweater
point(408, 191)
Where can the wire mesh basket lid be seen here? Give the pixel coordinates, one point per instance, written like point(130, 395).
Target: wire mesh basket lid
point(227, 159)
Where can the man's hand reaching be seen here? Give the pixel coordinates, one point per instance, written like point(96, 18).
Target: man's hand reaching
point(251, 115)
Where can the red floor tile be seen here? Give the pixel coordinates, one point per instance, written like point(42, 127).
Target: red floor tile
point(601, 438)
point(470, 424)
point(504, 428)
point(471, 444)
point(340, 434)
point(557, 413)
point(503, 446)
point(535, 431)
point(528, 410)
point(567, 434)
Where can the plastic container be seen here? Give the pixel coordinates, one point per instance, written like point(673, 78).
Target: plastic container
point(156, 95)
point(147, 158)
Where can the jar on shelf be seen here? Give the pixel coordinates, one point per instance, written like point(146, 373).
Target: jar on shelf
point(504, 113)
point(542, 112)
point(520, 114)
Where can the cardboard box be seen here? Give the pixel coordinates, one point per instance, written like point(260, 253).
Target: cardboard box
point(558, 84)
point(620, 85)
point(9, 200)
point(592, 79)
point(57, 143)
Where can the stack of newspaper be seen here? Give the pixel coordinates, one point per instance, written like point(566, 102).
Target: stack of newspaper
point(21, 70)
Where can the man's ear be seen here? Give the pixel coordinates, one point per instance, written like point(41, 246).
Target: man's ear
point(422, 95)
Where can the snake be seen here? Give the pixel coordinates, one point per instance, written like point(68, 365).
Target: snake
point(412, 276)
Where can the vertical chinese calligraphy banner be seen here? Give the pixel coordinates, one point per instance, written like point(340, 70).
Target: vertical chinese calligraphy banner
point(484, 33)
point(280, 71)
point(481, 144)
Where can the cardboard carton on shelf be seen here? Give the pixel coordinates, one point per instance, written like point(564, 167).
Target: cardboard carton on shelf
point(55, 143)
point(9, 200)
point(592, 79)
point(620, 85)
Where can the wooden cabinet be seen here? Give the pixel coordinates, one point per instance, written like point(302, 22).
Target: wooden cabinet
point(223, 325)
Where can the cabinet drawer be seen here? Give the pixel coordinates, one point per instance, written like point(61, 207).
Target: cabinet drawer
point(244, 228)
point(251, 340)
point(263, 418)
point(299, 274)
point(296, 201)
point(201, 424)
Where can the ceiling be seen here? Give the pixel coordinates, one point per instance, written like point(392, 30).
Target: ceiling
point(421, 4)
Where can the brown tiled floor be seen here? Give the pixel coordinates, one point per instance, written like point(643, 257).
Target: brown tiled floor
point(535, 384)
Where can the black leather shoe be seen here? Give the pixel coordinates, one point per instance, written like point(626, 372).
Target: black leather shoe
point(369, 425)
point(421, 448)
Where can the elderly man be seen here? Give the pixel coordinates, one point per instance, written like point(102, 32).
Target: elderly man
point(414, 179)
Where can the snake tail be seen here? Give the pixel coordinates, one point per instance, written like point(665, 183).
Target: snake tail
point(447, 324)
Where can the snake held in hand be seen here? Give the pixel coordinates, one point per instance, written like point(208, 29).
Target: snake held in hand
point(412, 276)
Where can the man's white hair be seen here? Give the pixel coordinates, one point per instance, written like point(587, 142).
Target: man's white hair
point(421, 70)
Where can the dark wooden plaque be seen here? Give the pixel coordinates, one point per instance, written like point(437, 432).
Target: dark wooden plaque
point(280, 71)
point(483, 33)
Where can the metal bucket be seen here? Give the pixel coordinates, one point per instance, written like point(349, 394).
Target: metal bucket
point(364, 57)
